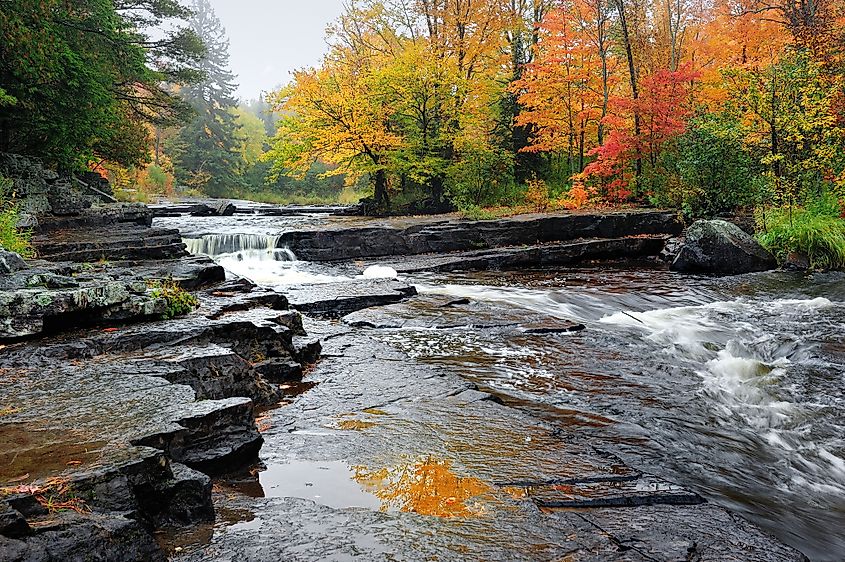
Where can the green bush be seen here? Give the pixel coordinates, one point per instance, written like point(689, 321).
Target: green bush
point(12, 238)
point(814, 231)
point(711, 172)
point(483, 177)
point(179, 301)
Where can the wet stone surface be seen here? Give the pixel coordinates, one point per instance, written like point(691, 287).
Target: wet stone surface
point(387, 458)
point(117, 421)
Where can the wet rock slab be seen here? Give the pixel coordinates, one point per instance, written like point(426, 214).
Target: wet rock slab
point(374, 239)
point(438, 312)
point(515, 257)
point(441, 472)
point(338, 299)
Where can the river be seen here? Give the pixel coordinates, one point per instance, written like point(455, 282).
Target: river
point(729, 386)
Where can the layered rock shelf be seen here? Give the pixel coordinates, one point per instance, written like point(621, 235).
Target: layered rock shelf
point(347, 242)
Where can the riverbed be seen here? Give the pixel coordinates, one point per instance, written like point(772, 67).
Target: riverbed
point(731, 387)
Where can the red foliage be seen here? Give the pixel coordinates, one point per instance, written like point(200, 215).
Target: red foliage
point(663, 108)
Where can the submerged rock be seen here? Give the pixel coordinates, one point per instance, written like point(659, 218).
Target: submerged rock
point(718, 246)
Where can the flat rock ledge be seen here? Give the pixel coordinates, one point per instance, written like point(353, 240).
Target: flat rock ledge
point(538, 492)
point(346, 242)
point(120, 423)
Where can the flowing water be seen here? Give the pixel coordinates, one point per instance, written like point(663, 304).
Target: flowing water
point(729, 386)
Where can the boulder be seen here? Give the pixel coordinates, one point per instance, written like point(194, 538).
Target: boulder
point(797, 261)
point(201, 210)
point(717, 246)
point(225, 209)
point(10, 262)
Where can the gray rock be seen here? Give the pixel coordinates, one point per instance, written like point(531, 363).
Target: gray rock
point(12, 523)
point(74, 538)
point(181, 500)
point(721, 247)
point(67, 198)
point(225, 209)
point(10, 262)
point(796, 261)
point(27, 221)
point(439, 236)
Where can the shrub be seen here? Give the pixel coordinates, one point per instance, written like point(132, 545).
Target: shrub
point(12, 238)
point(577, 197)
point(482, 177)
point(537, 195)
point(711, 172)
point(179, 301)
point(814, 231)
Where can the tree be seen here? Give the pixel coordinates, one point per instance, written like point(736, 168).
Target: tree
point(663, 109)
point(330, 114)
point(207, 152)
point(563, 91)
point(87, 77)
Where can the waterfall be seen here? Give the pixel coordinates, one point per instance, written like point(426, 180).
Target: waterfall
point(258, 247)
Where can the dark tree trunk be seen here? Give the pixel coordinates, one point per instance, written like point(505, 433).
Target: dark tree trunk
point(381, 196)
point(632, 71)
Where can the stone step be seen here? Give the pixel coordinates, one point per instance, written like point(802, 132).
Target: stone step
point(538, 255)
point(119, 244)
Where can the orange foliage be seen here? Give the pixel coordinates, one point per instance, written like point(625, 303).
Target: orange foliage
point(427, 487)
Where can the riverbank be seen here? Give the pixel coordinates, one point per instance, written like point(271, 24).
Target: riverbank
point(368, 453)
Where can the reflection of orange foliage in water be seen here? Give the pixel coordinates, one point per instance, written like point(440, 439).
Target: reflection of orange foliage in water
point(427, 487)
point(354, 425)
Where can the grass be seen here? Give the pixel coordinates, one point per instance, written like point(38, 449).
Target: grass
point(817, 234)
point(179, 301)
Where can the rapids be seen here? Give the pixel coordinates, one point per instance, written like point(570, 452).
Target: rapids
point(730, 386)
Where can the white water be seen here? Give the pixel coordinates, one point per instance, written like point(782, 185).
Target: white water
point(256, 257)
point(733, 346)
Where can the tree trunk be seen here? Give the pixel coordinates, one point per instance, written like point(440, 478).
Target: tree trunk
point(381, 196)
point(632, 71)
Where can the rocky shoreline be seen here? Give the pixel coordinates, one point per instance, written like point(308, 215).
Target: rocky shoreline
point(113, 422)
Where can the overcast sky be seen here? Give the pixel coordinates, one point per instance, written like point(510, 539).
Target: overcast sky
point(271, 38)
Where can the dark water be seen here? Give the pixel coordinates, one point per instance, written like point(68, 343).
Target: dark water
point(732, 386)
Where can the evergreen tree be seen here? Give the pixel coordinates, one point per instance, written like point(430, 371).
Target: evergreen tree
point(82, 80)
point(207, 151)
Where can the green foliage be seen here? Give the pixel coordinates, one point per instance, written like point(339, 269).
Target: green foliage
point(6, 99)
point(817, 231)
point(476, 213)
point(78, 82)
point(483, 177)
point(793, 127)
point(179, 301)
point(710, 171)
point(208, 154)
point(12, 238)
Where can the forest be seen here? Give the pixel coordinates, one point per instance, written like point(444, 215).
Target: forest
point(484, 106)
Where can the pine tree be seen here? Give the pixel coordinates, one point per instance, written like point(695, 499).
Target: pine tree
point(206, 152)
